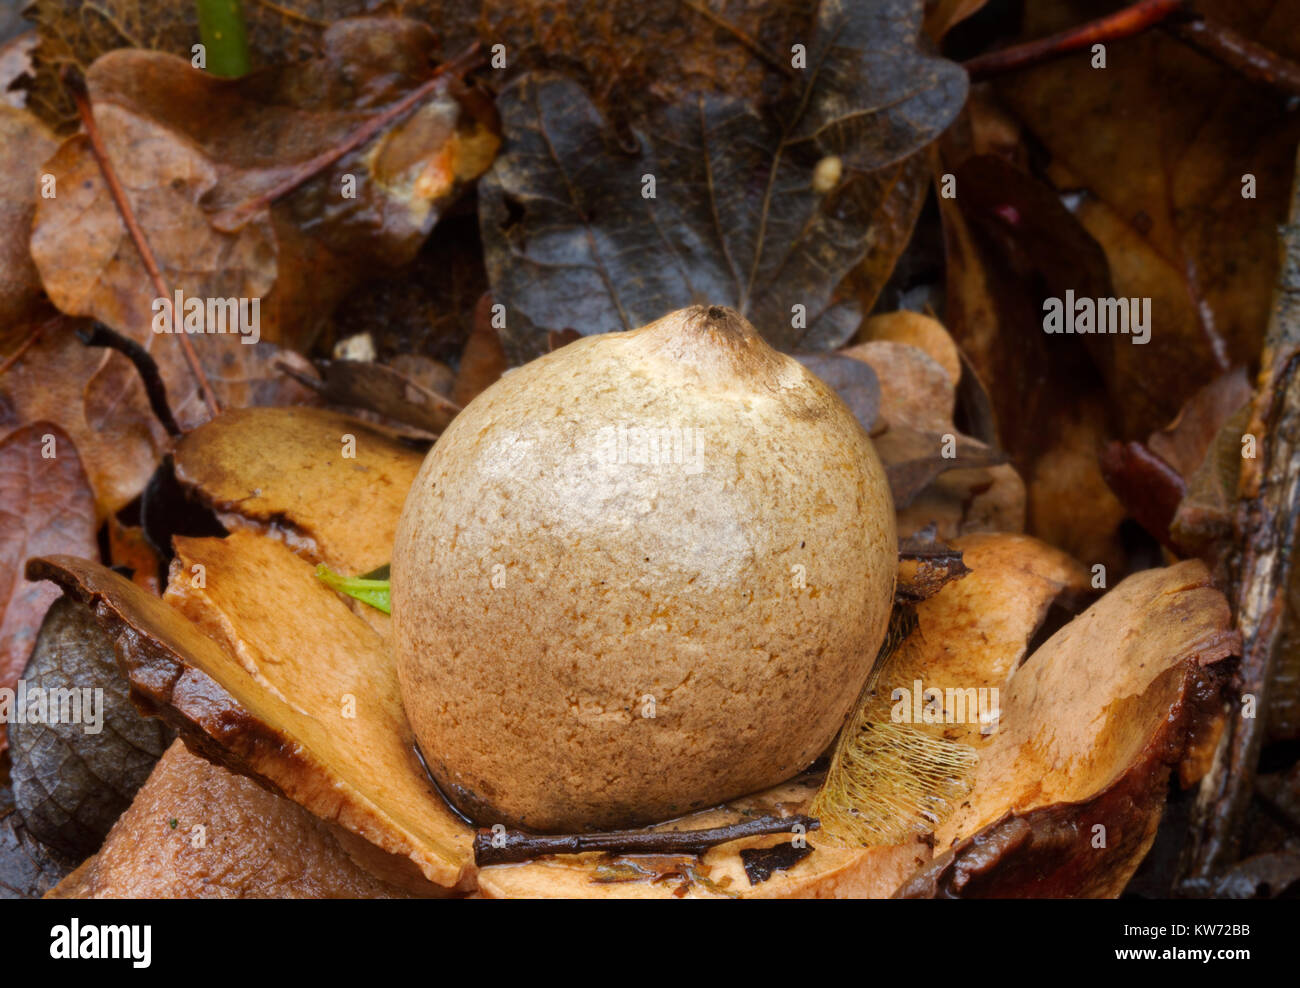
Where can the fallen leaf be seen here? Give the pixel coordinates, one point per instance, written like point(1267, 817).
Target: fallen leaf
point(258, 845)
point(72, 779)
point(483, 359)
point(47, 507)
point(286, 472)
point(1090, 728)
point(16, 64)
point(574, 239)
point(129, 549)
point(855, 381)
point(229, 667)
point(917, 330)
point(27, 868)
point(381, 389)
point(24, 144)
point(1163, 184)
point(177, 137)
point(915, 390)
point(96, 397)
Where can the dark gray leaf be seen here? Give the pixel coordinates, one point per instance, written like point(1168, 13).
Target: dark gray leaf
point(873, 97)
point(378, 388)
point(853, 380)
point(573, 239)
point(913, 459)
point(28, 869)
point(71, 781)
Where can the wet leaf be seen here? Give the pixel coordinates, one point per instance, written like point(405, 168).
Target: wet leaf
point(286, 472)
point(483, 359)
point(72, 780)
point(27, 868)
point(1163, 184)
point(573, 239)
point(25, 143)
point(96, 397)
point(46, 507)
point(261, 845)
point(198, 186)
point(854, 381)
point(380, 389)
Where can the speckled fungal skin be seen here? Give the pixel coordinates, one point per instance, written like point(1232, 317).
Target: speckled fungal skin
point(552, 587)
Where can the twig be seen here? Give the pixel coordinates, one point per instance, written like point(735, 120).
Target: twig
point(515, 845)
point(99, 335)
point(1121, 24)
point(228, 220)
point(82, 98)
point(1226, 46)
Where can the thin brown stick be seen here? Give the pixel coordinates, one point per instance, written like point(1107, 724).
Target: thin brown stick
point(513, 846)
point(82, 99)
point(1121, 24)
point(236, 216)
point(1244, 56)
point(26, 345)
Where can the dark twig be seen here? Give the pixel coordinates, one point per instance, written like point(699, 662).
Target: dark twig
point(1121, 24)
point(235, 217)
point(1226, 46)
point(82, 98)
point(516, 845)
point(99, 335)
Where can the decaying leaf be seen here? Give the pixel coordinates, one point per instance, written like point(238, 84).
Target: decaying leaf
point(197, 831)
point(914, 389)
point(484, 358)
point(229, 667)
point(854, 381)
point(330, 486)
point(28, 869)
point(96, 397)
point(383, 390)
point(1164, 198)
point(222, 213)
point(24, 144)
point(916, 330)
point(576, 237)
point(1090, 728)
point(46, 507)
point(76, 771)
